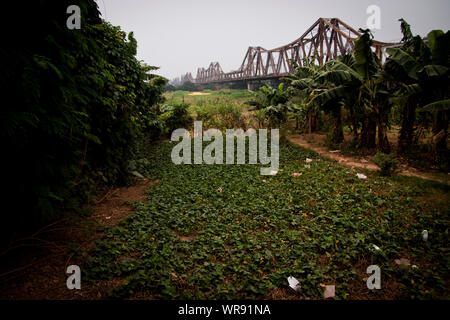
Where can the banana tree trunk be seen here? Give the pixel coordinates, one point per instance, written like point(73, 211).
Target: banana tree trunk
point(337, 132)
point(440, 128)
point(407, 130)
point(368, 132)
point(354, 123)
point(383, 142)
point(313, 121)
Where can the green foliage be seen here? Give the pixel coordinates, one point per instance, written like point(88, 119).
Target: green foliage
point(386, 162)
point(406, 30)
point(268, 96)
point(243, 240)
point(419, 73)
point(274, 103)
point(175, 116)
point(169, 88)
point(79, 101)
point(366, 61)
point(219, 113)
point(188, 86)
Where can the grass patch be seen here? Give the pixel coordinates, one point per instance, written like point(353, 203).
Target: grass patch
point(239, 96)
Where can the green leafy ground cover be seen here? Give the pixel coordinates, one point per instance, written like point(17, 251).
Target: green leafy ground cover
point(224, 232)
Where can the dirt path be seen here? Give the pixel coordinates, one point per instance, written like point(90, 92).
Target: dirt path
point(312, 142)
point(36, 265)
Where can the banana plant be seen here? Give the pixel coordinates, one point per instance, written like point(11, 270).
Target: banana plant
point(303, 86)
point(421, 70)
point(273, 102)
point(356, 82)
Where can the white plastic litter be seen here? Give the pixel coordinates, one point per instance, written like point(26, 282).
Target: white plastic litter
point(335, 151)
point(308, 160)
point(273, 173)
point(329, 291)
point(294, 283)
point(361, 176)
point(425, 235)
point(376, 247)
point(137, 174)
point(403, 261)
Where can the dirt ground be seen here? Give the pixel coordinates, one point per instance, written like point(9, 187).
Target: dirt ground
point(34, 268)
point(199, 94)
point(315, 142)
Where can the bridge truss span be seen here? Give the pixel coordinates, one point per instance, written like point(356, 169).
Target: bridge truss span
point(325, 40)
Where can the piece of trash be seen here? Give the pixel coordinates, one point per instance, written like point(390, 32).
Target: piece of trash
point(173, 275)
point(273, 173)
point(107, 218)
point(364, 161)
point(264, 180)
point(329, 291)
point(425, 235)
point(376, 247)
point(297, 174)
point(414, 266)
point(220, 189)
point(335, 151)
point(307, 166)
point(361, 176)
point(308, 160)
point(294, 283)
point(403, 261)
point(137, 174)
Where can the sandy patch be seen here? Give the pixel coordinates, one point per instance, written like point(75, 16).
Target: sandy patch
point(199, 94)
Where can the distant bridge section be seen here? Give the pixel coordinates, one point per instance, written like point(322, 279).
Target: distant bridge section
point(325, 40)
point(184, 78)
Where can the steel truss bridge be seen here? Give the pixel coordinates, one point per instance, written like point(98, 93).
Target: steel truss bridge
point(325, 40)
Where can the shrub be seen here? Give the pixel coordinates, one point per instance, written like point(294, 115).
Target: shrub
point(175, 116)
point(220, 113)
point(386, 162)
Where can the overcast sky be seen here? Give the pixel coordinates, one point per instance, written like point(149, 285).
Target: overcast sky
point(181, 35)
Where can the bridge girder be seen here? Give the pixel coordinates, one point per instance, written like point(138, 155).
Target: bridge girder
point(325, 40)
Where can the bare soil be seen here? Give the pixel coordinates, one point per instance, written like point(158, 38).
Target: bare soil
point(36, 265)
point(315, 142)
point(199, 94)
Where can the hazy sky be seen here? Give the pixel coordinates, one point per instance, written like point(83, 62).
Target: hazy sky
point(181, 35)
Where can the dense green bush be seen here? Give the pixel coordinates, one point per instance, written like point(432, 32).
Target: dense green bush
point(386, 162)
point(175, 116)
point(274, 102)
point(79, 100)
point(222, 114)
